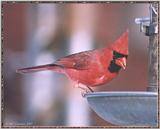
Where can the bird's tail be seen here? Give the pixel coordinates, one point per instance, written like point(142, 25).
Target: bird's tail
point(53, 67)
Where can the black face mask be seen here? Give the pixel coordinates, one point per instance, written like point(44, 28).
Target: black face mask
point(113, 67)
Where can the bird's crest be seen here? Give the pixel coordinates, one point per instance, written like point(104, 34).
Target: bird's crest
point(121, 45)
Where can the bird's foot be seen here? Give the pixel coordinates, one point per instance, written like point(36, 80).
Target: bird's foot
point(84, 89)
point(90, 89)
point(87, 90)
point(84, 92)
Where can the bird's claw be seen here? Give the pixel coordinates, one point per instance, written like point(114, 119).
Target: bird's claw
point(85, 92)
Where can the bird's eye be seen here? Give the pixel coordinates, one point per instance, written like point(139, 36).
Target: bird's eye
point(117, 55)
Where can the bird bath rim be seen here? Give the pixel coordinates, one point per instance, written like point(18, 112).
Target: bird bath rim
point(120, 94)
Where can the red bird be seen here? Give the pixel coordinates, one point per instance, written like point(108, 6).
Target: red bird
point(90, 68)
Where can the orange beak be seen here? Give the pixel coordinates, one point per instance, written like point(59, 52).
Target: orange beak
point(121, 62)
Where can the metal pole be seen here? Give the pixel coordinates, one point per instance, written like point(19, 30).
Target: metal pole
point(153, 49)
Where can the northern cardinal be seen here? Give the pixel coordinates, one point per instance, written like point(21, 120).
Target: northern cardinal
point(90, 68)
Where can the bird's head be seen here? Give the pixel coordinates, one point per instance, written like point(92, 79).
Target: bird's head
point(120, 53)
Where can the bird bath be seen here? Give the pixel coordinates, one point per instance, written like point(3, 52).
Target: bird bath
point(125, 108)
point(134, 108)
